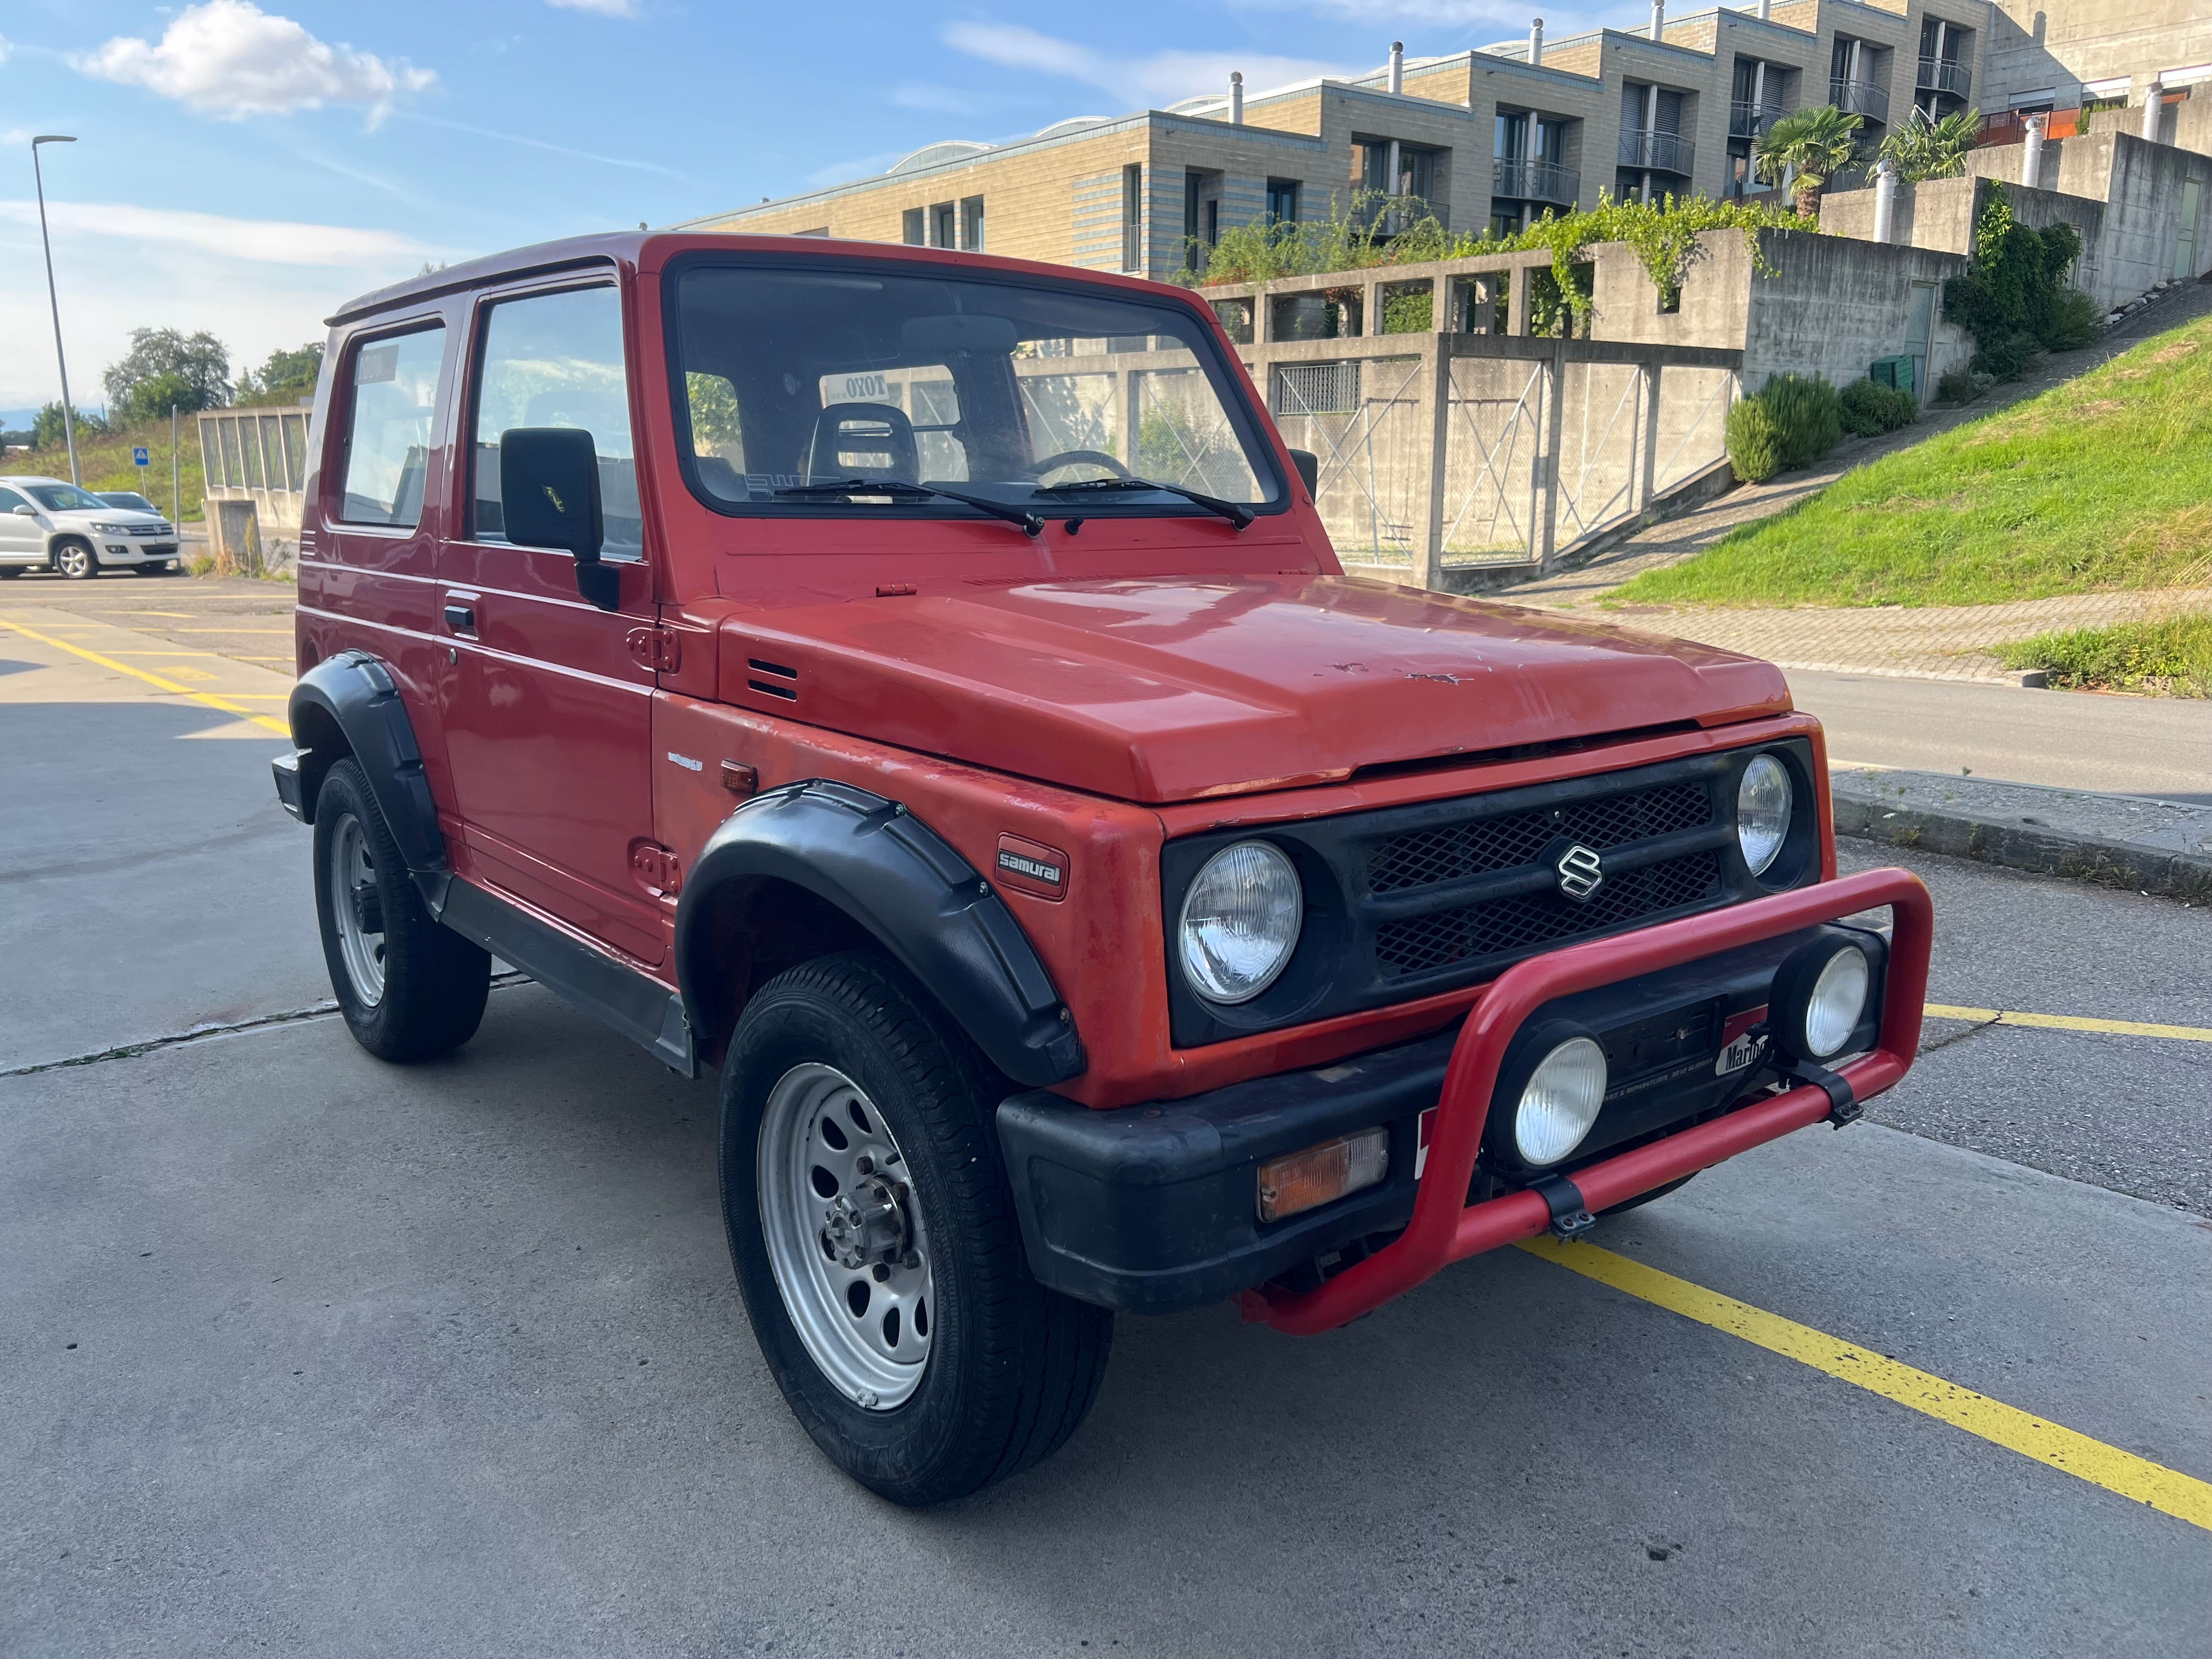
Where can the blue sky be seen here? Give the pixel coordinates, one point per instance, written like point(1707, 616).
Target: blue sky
point(244, 168)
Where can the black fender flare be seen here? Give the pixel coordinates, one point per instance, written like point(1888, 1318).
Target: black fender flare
point(902, 882)
point(354, 692)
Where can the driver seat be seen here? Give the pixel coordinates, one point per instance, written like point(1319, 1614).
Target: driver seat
point(863, 440)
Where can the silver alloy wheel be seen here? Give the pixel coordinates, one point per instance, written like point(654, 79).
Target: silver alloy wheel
point(75, 559)
point(352, 875)
point(845, 1235)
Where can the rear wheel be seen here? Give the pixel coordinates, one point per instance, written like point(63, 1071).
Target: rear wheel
point(9, 572)
point(75, 558)
point(409, 988)
point(875, 1241)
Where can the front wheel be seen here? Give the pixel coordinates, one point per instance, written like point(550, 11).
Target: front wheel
point(409, 989)
point(875, 1241)
point(76, 560)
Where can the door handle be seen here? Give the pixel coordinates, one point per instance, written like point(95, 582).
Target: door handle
point(461, 618)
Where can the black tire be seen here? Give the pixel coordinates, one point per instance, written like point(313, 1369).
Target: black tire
point(9, 572)
point(1012, 1368)
point(77, 558)
point(434, 982)
point(152, 570)
point(1653, 1196)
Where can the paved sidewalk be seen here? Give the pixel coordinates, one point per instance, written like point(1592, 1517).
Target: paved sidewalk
point(1943, 642)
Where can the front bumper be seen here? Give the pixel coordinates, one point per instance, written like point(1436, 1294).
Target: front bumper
point(1152, 1209)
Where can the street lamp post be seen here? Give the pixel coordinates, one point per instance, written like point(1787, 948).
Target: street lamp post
point(69, 416)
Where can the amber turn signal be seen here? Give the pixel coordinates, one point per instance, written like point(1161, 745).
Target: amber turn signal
point(1322, 1173)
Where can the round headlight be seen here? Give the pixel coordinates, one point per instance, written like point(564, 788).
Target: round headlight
point(1762, 811)
point(1561, 1101)
point(1240, 923)
point(1837, 999)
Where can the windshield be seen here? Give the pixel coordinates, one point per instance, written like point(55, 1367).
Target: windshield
point(795, 378)
point(65, 498)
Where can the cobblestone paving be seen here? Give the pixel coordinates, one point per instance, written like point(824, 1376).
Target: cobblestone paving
point(1938, 641)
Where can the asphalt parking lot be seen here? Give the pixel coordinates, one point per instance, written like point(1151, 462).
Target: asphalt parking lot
point(307, 1354)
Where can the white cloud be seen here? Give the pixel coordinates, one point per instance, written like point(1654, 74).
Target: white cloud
point(4, 49)
point(272, 241)
point(1490, 12)
point(255, 284)
point(598, 7)
point(230, 59)
point(1151, 82)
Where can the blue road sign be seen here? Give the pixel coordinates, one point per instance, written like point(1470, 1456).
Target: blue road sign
point(138, 455)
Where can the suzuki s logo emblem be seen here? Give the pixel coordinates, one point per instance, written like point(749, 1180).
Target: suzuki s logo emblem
point(1580, 871)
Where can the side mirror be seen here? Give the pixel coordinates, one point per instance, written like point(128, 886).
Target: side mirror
point(1309, 466)
point(548, 496)
point(26, 512)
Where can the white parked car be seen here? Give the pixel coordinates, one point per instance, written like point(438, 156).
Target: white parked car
point(48, 523)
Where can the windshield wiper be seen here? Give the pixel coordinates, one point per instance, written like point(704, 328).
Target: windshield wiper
point(1237, 515)
point(1031, 525)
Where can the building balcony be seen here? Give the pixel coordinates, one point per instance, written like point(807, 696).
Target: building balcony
point(1940, 75)
point(1860, 98)
point(1535, 181)
point(1750, 120)
point(1658, 152)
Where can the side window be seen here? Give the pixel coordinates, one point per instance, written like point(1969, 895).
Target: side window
point(395, 391)
point(9, 501)
point(557, 359)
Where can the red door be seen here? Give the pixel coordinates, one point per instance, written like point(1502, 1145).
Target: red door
point(548, 716)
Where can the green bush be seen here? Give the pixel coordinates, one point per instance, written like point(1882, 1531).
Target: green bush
point(1806, 414)
point(1868, 408)
point(1754, 443)
point(2173, 656)
point(1958, 385)
point(2076, 320)
point(2006, 357)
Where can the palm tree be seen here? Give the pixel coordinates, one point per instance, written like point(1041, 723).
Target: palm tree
point(1932, 150)
point(1809, 146)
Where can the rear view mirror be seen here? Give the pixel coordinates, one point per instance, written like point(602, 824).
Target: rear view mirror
point(1309, 466)
point(24, 511)
point(961, 332)
point(548, 496)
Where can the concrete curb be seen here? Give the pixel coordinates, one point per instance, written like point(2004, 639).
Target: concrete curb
point(2118, 840)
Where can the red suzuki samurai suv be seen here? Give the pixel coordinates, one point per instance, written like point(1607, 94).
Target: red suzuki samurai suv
point(918, 685)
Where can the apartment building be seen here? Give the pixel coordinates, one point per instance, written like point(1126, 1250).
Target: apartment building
point(2092, 54)
point(1491, 137)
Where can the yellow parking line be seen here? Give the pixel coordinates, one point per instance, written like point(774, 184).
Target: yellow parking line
point(208, 697)
point(2138, 1479)
point(2069, 1023)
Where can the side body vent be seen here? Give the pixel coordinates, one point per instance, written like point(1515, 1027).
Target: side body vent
point(773, 679)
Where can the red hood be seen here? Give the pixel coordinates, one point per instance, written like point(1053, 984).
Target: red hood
point(1164, 688)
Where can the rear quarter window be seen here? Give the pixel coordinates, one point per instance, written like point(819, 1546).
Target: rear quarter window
point(394, 396)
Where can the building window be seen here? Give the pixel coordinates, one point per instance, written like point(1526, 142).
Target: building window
point(1282, 201)
point(1133, 216)
point(910, 228)
point(971, 224)
point(941, 226)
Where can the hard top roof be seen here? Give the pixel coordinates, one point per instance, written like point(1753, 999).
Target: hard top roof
point(643, 247)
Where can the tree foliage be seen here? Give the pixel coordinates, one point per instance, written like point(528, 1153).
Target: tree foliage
point(1923, 148)
point(285, 378)
point(1809, 146)
point(48, 433)
point(199, 364)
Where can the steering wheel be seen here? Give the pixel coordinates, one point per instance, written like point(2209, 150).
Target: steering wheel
point(1073, 457)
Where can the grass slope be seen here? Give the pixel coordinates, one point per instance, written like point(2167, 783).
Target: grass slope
point(2102, 484)
point(105, 463)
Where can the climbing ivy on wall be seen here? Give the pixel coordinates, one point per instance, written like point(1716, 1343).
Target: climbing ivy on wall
point(2014, 300)
point(1663, 234)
